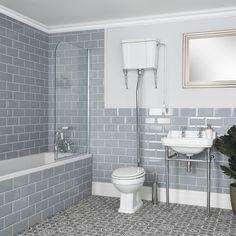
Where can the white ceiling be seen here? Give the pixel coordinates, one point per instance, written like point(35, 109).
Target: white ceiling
point(52, 13)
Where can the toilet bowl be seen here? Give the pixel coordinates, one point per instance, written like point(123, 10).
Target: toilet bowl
point(129, 180)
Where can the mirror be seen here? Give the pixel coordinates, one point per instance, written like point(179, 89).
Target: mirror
point(209, 59)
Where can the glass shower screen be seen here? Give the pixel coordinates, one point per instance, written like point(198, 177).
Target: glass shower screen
point(71, 100)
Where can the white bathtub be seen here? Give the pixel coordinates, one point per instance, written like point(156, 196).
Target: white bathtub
point(37, 187)
point(25, 165)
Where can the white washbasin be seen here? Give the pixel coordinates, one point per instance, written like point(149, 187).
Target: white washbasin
point(190, 144)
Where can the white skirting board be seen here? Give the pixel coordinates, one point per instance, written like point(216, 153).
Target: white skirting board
point(197, 198)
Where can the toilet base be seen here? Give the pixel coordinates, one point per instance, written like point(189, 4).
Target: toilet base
point(131, 211)
point(130, 202)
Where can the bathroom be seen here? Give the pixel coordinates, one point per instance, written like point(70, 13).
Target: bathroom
point(68, 121)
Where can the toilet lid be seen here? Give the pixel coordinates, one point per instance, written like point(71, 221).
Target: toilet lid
point(128, 172)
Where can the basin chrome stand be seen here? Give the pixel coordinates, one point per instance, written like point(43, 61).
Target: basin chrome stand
point(174, 157)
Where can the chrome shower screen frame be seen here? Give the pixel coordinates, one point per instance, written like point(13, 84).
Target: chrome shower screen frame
point(57, 154)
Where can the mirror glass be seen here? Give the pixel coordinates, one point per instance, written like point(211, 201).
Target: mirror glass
point(209, 59)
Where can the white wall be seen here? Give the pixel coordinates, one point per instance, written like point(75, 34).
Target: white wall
point(116, 96)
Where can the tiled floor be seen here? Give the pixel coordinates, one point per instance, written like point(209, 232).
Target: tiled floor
point(99, 216)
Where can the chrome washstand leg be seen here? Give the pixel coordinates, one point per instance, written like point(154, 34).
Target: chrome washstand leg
point(209, 181)
point(167, 177)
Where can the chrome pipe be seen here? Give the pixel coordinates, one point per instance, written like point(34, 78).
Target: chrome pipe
point(125, 71)
point(140, 75)
point(189, 164)
point(186, 160)
point(88, 104)
point(173, 155)
point(208, 181)
point(167, 177)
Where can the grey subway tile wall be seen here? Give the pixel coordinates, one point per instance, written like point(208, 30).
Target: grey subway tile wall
point(114, 145)
point(39, 195)
point(23, 89)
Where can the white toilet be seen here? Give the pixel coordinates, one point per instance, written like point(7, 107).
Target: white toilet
point(129, 180)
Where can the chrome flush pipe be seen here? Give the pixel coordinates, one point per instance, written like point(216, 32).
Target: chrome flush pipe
point(140, 76)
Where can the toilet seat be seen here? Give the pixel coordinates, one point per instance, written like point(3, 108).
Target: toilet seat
point(128, 173)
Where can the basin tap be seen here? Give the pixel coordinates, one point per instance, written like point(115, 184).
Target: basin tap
point(183, 131)
point(200, 132)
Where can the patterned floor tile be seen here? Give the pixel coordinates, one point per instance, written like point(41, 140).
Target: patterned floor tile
point(99, 216)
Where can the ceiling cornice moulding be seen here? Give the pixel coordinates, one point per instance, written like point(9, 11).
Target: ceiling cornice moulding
point(24, 19)
point(163, 18)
